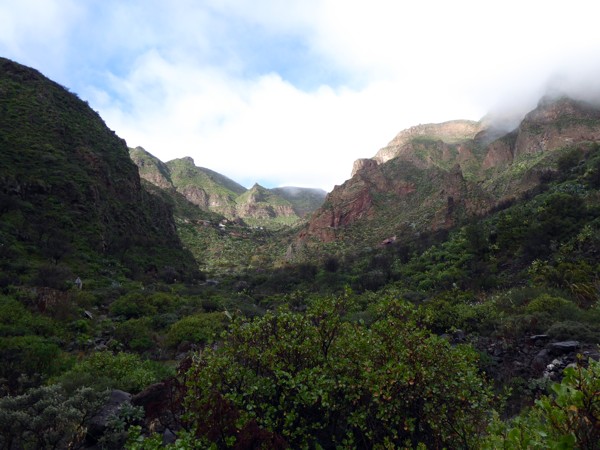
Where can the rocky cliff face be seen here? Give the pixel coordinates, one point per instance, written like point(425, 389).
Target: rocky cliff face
point(68, 181)
point(432, 176)
point(557, 123)
point(261, 203)
point(451, 132)
point(396, 195)
point(214, 192)
point(151, 168)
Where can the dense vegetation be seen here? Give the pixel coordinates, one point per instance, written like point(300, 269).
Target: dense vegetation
point(481, 336)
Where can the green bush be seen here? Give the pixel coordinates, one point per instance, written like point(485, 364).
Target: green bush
point(16, 320)
point(201, 328)
point(573, 330)
point(558, 308)
point(133, 305)
point(569, 418)
point(136, 334)
point(55, 276)
point(31, 357)
point(316, 380)
point(105, 370)
point(443, 315)
point(47, 417)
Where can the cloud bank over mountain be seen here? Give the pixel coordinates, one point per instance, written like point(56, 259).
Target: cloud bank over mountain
point(293, 92)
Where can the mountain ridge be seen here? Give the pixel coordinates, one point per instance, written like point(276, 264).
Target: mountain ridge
point(69, 188)
point(456, 172)
point(214, 192)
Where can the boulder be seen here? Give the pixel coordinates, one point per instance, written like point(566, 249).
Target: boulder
point(99, 423)
point(564, 347)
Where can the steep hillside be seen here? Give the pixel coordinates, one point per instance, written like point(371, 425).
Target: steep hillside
point(151, 168)
point(303, 200)
point(259, 204)
point(213, 192)
point(433, 176)
point(204, 187)
point(69, 191)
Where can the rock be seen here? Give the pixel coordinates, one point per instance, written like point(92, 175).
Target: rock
point(168, 437)
point(561, 348)
point(451, 131)
point(98, 423)
point(363, 164)
point(538, 337)
point(154, 395)
point(161, 403)
point(540, 361)
point(459, 336)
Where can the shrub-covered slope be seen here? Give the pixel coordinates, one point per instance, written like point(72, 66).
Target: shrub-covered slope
point(432, 177)
point(211, 191)
point(69, 191)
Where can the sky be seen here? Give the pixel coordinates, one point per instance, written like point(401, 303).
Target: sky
point(291, 92)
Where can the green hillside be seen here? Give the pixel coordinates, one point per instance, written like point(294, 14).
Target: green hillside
point(211, 191)
point(418, 308)
point(71, 197)
point(303, 200)
point(204, 187)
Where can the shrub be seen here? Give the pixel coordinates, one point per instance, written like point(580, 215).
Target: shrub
point(331, 264)
point(316, 380)
point(569, 418)
point(136, 334)
point(556, 307)
point(133, 305)
point(47, 417)
point(201, 328)
point(32, 357)
point(105, 370)
point(55, 276)
point(573, 330)
point(16, 320)
point(569, 160)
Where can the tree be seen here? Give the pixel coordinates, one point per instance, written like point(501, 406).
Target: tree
point(316, 379)
point(47, 417)
point(28, 358)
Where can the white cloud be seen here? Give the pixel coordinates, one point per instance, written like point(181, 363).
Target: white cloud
point(36, 32)
point(259, 129)
point(207, 78)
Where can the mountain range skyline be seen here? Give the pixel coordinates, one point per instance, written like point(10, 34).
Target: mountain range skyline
point(292, 95)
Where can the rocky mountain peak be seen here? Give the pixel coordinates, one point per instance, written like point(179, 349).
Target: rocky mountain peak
point(151, 168)
point(257, 193)
point(363, 164)
point(451, 132)
point(435, 175)
point(188, 160)
point(555, 123)
point(551, 109)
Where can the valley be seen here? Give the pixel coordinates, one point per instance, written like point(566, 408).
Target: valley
point(446, 295)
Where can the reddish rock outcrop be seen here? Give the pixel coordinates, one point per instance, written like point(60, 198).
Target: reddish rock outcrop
point(430, 176)
point(556, 124)
point(454, 131)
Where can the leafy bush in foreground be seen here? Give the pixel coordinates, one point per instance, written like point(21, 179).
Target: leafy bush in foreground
point(570, 418)
point(317, 380)
point(47, 417)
